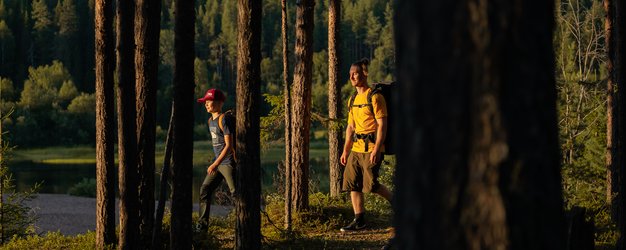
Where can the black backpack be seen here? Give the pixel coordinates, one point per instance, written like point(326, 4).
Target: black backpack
point(383, 88)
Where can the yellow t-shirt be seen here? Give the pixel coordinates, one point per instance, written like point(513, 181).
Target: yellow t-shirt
point(363, 121)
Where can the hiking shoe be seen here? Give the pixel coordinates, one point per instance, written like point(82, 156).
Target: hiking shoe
point(353, 226)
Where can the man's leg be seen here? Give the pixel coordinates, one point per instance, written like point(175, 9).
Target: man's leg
point(354, 178)
point(384, 192)
point(357, 202)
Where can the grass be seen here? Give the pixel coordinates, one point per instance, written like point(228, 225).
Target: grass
point(202, 153)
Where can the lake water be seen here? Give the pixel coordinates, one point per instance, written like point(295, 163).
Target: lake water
point(59, 178)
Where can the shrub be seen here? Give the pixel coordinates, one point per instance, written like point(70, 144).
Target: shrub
point(85, 188)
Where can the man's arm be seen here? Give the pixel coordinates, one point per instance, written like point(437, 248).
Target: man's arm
point(381, 133)
point(347, 146)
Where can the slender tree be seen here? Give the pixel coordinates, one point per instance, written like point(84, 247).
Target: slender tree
point(147, 29)
point(287, 96)
point(334, 98)
point(611, 122)
point(126, 127)
point(184, 33)
point(301, 108)
point(483, 171)
point(105, 125)
point(248, 146)
point(165, 181)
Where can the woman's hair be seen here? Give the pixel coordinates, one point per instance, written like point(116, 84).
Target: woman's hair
point(362, 64)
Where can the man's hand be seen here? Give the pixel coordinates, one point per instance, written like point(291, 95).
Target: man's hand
point(374, 157)
point(344, 158)
point(211, 170)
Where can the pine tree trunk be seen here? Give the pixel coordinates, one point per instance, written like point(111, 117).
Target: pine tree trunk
point(287, 96)
point(484, 172)
point(164, 181)
point(147, 30)
point(301, 109)
point(184, 33)
point(126, 126)
point(611, 103)
point(105, 124)
point(334, 98)
point(248, 145)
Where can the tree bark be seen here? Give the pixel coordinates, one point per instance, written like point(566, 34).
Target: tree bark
point(479, 105)
point(165, 179)
point(619, 76)
point(612, 162)
point(127, 137)
point(147, 30)
point(105, 124)
point(184, 33)
point(301, 109)
point(287, 96)
point(248, 228)
point(334, 98)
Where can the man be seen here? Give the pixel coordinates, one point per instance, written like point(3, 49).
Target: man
point(222, 129)
point(365, 134)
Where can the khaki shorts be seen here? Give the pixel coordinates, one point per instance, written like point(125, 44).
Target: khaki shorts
point(360, 174)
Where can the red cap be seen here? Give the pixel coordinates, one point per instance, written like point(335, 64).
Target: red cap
point(212, 94)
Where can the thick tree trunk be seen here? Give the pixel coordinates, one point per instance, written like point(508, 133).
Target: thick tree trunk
point(126, 127)
point(287, 96)
point(184, 33)
point(301, 108)
point(334, 98)
point(147, 29)
point(248, 230)
point(484, 169)
point(619, 76)
point(105, 124)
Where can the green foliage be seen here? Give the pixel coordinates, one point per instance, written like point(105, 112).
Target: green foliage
point(54, 241)
point(7, 49)
point(83, 104)
point(580, 73)
point(85, 188)
point(273, 125)
point(15, 219)
point(6, 89)
point(41, 89)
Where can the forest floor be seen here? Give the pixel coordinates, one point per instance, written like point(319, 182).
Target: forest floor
point(318, 228)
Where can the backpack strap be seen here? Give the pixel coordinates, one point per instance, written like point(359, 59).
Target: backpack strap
point(369, 98)
point(220, 120)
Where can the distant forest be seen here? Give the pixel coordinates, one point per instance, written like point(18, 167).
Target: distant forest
point(47, 61)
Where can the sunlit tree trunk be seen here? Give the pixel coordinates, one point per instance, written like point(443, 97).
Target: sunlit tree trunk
point(248, 146)
point(105, 124)
point(612, 144)
point(334, 98)
point(301, 108)
point(287, 96)
point(184, 33)
point(126, 127)
point(147, 30)
point(483, 169)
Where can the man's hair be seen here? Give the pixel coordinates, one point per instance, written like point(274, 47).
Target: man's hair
point(362, 64)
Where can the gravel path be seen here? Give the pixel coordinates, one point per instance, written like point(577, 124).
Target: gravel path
point(73, 215)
